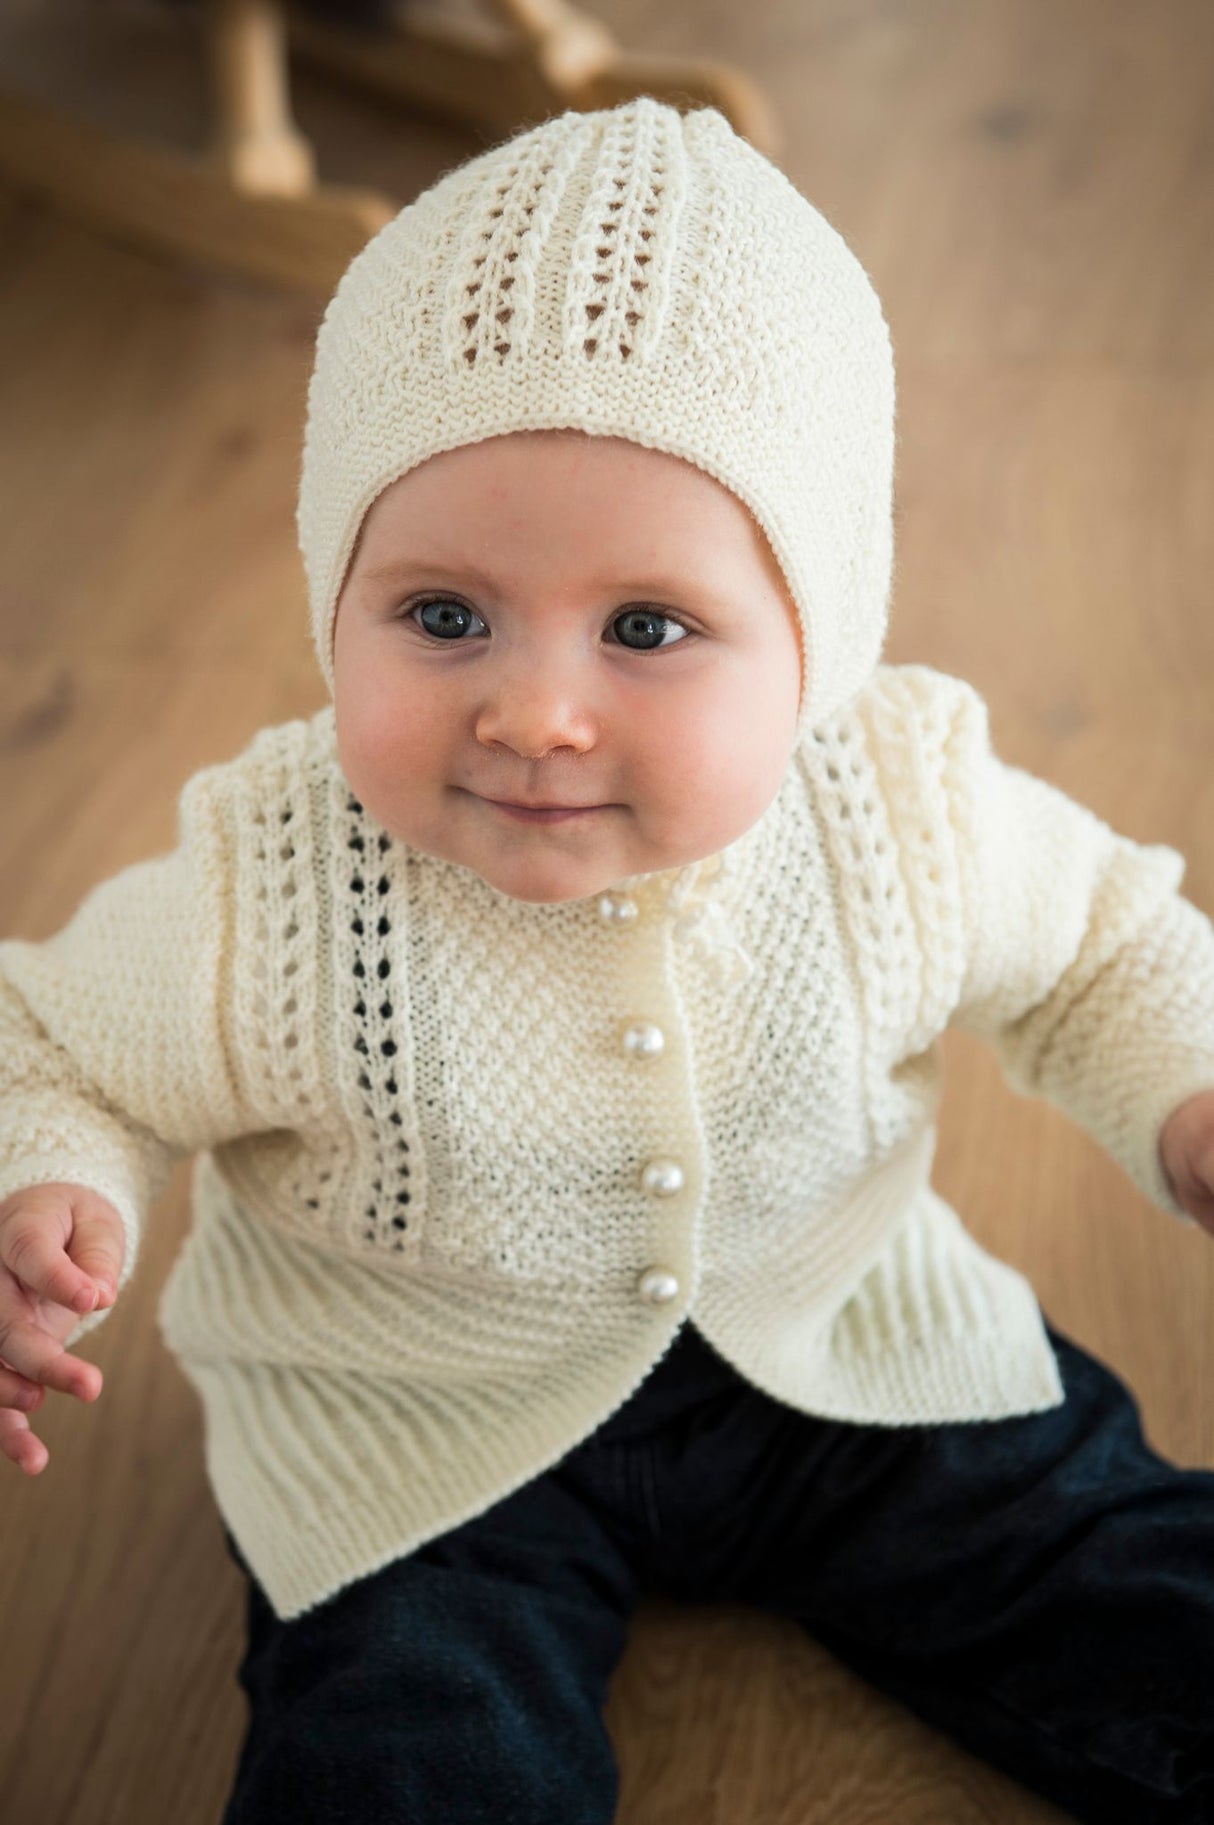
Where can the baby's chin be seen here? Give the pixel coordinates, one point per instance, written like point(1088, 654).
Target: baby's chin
point(540, 866)
point(545, 884)
point(548, 882)
point(539, 878)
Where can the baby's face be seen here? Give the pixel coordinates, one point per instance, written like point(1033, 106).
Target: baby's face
point(550, 617)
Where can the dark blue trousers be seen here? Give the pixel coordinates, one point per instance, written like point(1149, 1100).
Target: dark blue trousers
point(1040, 1588)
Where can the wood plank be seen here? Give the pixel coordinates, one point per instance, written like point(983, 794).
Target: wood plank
point(1029, 184)
point(160, 200)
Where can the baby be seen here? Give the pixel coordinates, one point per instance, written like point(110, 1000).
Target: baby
point(556, 1024)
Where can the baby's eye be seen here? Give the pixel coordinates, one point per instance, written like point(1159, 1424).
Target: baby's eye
point(446, 618)
point(646, 624)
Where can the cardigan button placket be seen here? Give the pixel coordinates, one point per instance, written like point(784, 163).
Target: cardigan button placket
point(617, 908)
point(643, 1039)
point(658, 1286)
point(662, 1178)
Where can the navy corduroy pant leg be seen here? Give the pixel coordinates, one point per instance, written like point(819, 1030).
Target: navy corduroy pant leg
point(1039, 1588)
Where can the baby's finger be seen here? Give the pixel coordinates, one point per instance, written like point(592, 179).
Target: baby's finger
point(98, 1244)
point(39, 1357)
point(18, 1391)
point(43, 1265)
point(20, 1445)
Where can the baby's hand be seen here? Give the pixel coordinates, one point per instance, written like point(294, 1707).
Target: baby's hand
point(61, 1252)
point(1186, 1150)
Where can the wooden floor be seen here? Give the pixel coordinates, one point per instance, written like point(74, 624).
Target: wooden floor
point(1030, 184)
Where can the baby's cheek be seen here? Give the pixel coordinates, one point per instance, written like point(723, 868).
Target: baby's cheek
point(366, 737)
point(392, 752)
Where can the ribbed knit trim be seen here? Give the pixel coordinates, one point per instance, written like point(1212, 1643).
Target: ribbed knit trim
point(335, 1445)
point(301, 1555)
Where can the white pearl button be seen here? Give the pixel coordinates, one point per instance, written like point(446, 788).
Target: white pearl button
point(662, 1178)
point(642, 1039)
point(658, 1285)
point(617, 908)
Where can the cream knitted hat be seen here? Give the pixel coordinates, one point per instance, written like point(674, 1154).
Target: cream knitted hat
point(635, 273)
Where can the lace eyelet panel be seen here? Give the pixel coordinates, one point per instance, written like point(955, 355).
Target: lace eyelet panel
point(374, 1064)
point(492, 303)
point(274, 1000)
point(618, 288)
point(875, 776)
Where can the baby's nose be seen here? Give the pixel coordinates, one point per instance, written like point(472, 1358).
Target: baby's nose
point(537, 713)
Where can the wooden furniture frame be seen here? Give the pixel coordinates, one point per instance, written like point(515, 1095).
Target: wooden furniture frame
point(254, 204)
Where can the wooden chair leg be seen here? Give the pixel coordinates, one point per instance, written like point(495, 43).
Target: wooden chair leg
point(569, 47)
point(250, 204)
point(164, 202)
point(253, 204)
point(497, 75)
point(257, 146)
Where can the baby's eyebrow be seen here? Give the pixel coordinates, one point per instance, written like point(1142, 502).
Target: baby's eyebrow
point(403, 567)
point(398, 568)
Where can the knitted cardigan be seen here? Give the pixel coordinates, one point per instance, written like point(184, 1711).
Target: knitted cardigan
point(467, 1163)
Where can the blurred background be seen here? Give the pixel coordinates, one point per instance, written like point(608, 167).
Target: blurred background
point(1030, 185)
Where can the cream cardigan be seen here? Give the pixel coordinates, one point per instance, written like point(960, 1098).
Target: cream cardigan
point(467, 1163)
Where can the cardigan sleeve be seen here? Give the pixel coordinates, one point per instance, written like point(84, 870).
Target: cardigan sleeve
point(115, 1052)
point(1083, 964)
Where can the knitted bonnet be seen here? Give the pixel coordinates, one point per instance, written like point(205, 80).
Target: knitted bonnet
point(637, 273)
